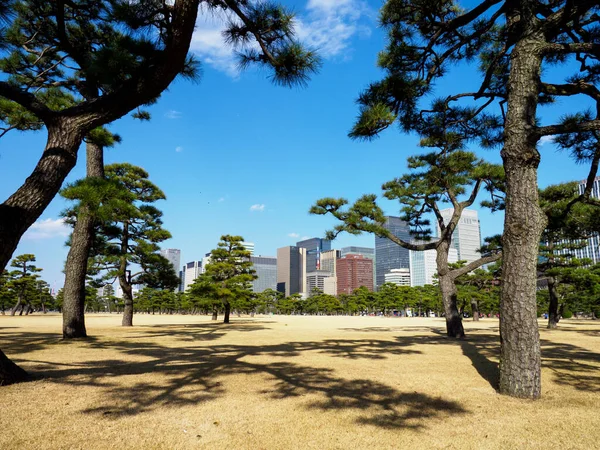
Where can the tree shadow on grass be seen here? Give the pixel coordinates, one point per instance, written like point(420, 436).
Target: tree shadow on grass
point(151, 376)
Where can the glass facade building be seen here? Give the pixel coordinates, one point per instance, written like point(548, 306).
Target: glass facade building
point(592, 249)
point(314, 247)
point(389, 255)
point(266, 271)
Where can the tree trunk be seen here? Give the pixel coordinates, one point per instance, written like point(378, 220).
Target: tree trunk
point(214, 314)
point(19, 303)
point(520, 358)
point(475, 309)
point(81, 244)
point(10, 373)
point(553, 314)
point(454, 325)
point(26, 205)
point(227, 312)
point(127, 302)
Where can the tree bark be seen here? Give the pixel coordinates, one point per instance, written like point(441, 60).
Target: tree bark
point(19, 303)
point(214, 313)
point(520, 358)
point(77, 259)
point(553, 313)
point(10, 373)
point(475, 309)
point(127, 304)
point(227, 312)
point(454, 325)
point(23, 208)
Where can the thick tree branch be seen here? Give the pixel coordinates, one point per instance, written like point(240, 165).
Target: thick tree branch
point(455, 273)
point(27, 100)
point(591, 125)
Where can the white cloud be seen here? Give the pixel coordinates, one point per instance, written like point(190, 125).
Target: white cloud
point(209, 45)
point(329, 25)
point(172, 114)
point(293, 235)
point(546, 140)
point(178, 149)
point(326, 25)
point(258, 207)
point(221, 199)
point(47, 229)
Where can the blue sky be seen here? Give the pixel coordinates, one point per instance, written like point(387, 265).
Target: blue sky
point(237, 155)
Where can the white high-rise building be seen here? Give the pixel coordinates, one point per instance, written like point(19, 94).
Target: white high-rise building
point(192, 270)
point(249, 246)
point(400, 277)
point(466, 238)
point(423, 266)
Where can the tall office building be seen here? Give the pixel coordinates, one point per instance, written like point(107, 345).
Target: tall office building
point(316, 280)
point(367, 252)
point(191, 272)
point(173, 255)
point(328, 259)
point(205, 262)
point(592, 249)
point(330, 286)
point(389, 255)
point(466, 238)
point(400, 277)
point(423, 266)
point(291, 270)
point(314, 247)
point(266, 271)
point(354, 271)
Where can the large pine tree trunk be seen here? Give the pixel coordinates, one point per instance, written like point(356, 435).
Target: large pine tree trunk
point(553, 314)
point(227, 312)
point(10, 373)
point(454, 325)
point(475, 309)
point(77, 259)
point(127, 306)
point(26, 205)
point(520, 358)
point(214, 313)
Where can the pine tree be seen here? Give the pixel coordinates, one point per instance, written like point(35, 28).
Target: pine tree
point(228, 276)
point(22, 282)
point(510, 44)
point(130, 231)
point(74, 66)
point(450, 175)
point(569, 224)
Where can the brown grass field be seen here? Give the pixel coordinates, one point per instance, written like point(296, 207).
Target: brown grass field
point(179, 382)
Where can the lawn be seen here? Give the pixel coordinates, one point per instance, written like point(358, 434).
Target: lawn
point(281, 382)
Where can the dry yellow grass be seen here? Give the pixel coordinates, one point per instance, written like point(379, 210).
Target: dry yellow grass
point(178, 382)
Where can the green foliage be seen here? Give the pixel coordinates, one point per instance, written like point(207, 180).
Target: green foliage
point(228, 276)
point(566, 313)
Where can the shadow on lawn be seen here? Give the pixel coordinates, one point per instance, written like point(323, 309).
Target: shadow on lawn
point(171, 376)
point(147, 375)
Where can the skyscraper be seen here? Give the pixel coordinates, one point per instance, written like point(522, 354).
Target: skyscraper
point(389, 255)
point(314, 247)
point(316, 280)
point(266, 271)
point(592, 249)
point(466, 238)
point(354, 271)
point(173, 255)
point(249, 246)
point(291, 270)
point(423, 266)
point(191, 272)
point(328, 259)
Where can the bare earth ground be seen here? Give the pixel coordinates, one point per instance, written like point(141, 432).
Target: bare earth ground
point(178, 382)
